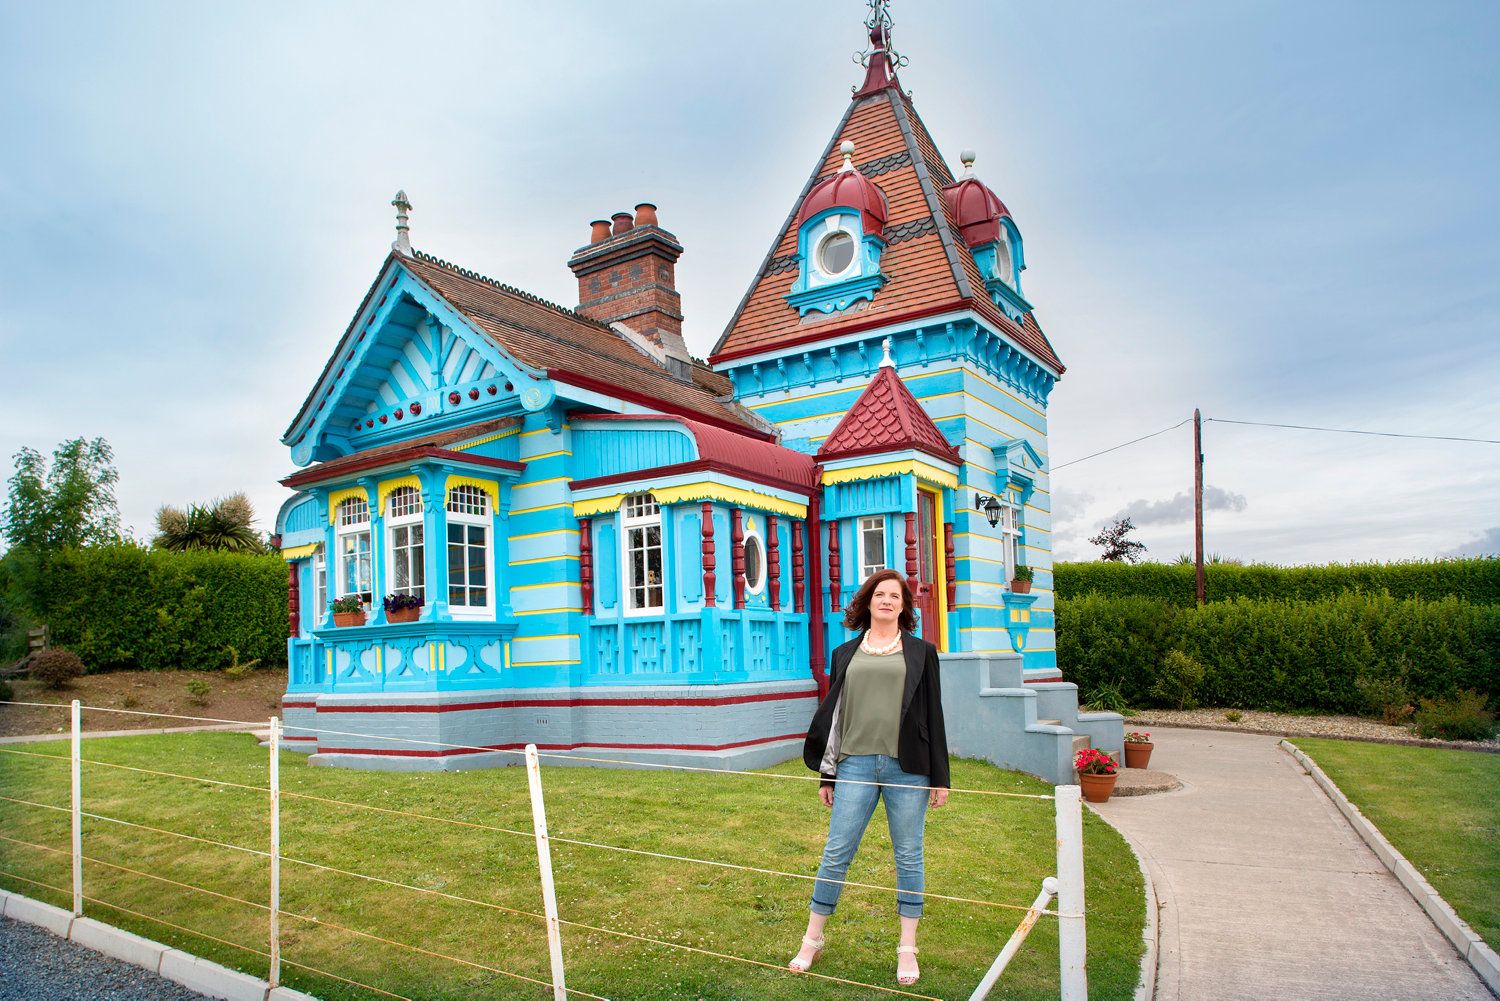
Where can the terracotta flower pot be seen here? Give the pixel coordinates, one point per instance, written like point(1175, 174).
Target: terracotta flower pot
point(1020, 586)
point(1137, 754)
point(1097, 788)
point(348, 618)
point(404, 614)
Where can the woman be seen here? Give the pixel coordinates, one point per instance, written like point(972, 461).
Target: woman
point(879, 733)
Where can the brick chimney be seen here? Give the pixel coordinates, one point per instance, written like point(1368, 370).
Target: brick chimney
point(627, 277)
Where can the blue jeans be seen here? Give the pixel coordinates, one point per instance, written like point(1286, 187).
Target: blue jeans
point(853, 805)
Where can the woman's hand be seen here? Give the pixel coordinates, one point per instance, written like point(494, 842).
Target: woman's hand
point(939, 797)
point(825, 793)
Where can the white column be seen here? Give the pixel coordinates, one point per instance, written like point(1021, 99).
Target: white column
point(274, 976)
point(544, 863)
point(1072, 937)
point(77, 769)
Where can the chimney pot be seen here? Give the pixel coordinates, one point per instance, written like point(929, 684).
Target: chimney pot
point(645, 214)
point(623, 222)
point(599, 231)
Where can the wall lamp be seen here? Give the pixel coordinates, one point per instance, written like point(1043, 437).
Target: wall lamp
point(990, 505)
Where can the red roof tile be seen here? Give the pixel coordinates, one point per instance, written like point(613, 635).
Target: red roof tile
point(718, 448)
point(886, 418)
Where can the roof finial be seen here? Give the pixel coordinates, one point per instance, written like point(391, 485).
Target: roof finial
point(847, 148)
point(880, 59)
point(886, 361)
point(403, 224)
point(967, 159)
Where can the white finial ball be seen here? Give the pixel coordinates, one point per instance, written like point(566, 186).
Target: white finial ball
point(847, 147)
point(966, 158)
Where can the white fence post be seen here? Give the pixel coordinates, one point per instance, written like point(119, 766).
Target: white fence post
point(1013, 945)
point(544, 863)
point(1072, 937)
point(273, 977)
point(77, 808)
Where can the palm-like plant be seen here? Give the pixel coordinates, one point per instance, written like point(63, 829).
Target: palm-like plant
point(223, 524)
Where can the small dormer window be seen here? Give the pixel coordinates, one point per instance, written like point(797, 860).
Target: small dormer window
point(1004, 265)
point(840, 236)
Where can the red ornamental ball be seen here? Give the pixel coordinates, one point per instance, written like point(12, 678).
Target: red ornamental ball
point(509, 387)
point(474, 394)
point(491, 390)
point(369, 423)
point(383, 418)
point(454, 398)
point(400, 413)
point(416, 408)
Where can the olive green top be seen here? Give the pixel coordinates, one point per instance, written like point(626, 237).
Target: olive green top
point(870, 718)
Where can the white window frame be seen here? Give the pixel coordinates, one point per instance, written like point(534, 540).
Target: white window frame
point(1010, 534)
point(640, 513)
point(866, 526)
point(319, 589)
point(414, 552)
point(347, 527)
point(753, 534)
point(820, 234)
point(468, 519)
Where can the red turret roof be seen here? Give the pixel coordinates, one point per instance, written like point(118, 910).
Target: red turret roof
point(886, 418)
point(848, 189)
point(976, 210)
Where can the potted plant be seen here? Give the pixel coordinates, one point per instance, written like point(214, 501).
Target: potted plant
point(1022, 582)
point(348, 611)
point(1137, 749)
point(402, 607)
point(1097, 772)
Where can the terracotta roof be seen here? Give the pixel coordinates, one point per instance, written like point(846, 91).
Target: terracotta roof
point(929, 273)
point(886, 418)
point(718, 448)
point(373, 458)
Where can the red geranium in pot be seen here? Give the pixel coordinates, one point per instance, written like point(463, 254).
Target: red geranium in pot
point(1097, 772)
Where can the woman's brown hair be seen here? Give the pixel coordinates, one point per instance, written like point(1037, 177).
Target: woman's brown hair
point(857, 613)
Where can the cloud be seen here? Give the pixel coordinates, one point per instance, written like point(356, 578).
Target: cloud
point(1179, 508)
point(1487, 544)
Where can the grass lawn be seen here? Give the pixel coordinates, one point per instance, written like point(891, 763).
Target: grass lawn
point(1440, 808)
point(983, 847)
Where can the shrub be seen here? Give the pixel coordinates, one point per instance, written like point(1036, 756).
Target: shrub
point(1458, 717)
point(1177, 681)
point(1386, 698)
point(198, 690)
point(1106, 698)
point(56, 668)
point(1234, 716)
point(237, 670)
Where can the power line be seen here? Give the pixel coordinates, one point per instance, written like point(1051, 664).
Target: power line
point(1381, 434)
point(1132, 441)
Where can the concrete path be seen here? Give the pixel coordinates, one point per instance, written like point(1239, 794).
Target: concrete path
point(1267, 891)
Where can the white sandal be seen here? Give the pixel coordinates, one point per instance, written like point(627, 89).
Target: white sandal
point(904, 981)
point(815, 944)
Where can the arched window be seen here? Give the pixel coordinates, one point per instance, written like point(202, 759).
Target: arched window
point(407, 571)
point(471, 563)
point(640, 524)
point(755, 562)
point(352, 537)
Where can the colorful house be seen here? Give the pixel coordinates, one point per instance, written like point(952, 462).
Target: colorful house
point(622, 551)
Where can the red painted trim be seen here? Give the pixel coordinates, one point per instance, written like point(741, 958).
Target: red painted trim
point(694, 466)
point(329, 471)
point(773, 561)
point(612, 389)
point(586, 564)
point(890, 319)
point(714, 700)
point(451, 751)
point(710, 579)
point(737, 554)
point(835, 579)
point(1032, 681)
point(286, 737)
point(299, 705)
point(950, 457)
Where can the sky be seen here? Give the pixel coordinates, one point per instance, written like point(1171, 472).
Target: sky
point(1277, 212)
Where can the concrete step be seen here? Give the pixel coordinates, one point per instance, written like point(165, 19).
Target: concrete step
point(1050, 722)
point(1081, 741)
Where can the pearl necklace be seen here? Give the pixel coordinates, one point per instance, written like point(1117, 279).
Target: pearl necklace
point(885, 651)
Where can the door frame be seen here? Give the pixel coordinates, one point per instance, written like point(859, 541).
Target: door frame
point(939, 582)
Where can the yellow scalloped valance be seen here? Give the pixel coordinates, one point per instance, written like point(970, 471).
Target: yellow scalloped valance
point(490, 487)
point(597, 505)
point(300, 552)
point(921, 470)
point(337, 497)
point(390, 486)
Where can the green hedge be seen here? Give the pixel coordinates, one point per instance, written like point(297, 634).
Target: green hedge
point(1475, 580)
point(129, 607)
point(1282, 655)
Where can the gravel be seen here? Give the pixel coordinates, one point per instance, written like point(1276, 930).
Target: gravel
point(36, 965)
point(1289, 725)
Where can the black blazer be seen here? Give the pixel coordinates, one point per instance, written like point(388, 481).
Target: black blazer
point(922, 743)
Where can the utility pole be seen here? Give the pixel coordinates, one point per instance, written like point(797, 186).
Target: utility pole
point(1198, 502)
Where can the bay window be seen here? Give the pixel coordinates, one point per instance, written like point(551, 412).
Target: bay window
point(352, 538)
point(640, 523)
point(404, 543)
point(470, 552)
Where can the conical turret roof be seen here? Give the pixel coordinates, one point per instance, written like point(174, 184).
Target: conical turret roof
point(886, 418)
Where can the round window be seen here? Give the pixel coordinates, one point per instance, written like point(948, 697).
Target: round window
point(1004, 268)
point(755, 563)
point(836, 253)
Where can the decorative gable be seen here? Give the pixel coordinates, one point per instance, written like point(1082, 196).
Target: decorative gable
point(886, 418)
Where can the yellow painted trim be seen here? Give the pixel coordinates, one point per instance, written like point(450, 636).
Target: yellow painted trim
point(542, 559)
point(380, 659)
point(431, 656)
point(729, 495)
point(544, 507)
point(542, 663)
point(535, 587)
point(548, 455)
point(505, 653)
point(542, 483)
point(337, 497)
point(598, 505)
point(490, 487)
point(385, 488)
point(528, 434)
point(549, 611)
point(300, 552)
point(486, 439)
point(442, 656)
point(330, 662)
point(915, 467)
point(540, 535)
point(554, 636)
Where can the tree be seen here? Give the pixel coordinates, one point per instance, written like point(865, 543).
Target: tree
point(221, 524)
point(1116, 546)
point(70, 503)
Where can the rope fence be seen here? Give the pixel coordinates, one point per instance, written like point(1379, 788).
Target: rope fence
point(1067, 886)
